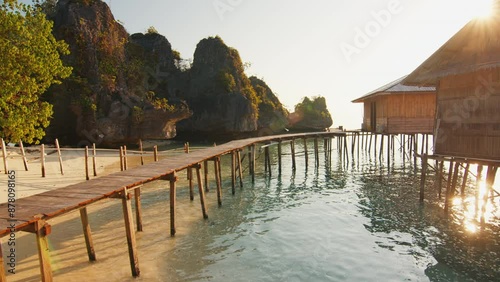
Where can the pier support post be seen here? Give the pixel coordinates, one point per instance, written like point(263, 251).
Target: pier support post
point(439, 182)
point(233, 173)
point(205, 174)
point(138, 208)
point(2, 266)
point(464, 181)
point(201, 191)
point(190, 181)
point(129, 230)
point(42, 230)
point(316, 151)
point(279, 157)
point(422, 180)
point(172, 179)
point(305, 152)
point(292, 149)
point(218, 180)
point(87, 234)
point(240, 169)
point(252, 167)
point(42, 160)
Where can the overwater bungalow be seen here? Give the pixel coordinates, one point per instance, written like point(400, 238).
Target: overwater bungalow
point(466, 73)
point(399, 109)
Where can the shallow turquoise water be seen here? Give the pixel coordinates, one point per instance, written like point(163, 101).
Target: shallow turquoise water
point(339, 222)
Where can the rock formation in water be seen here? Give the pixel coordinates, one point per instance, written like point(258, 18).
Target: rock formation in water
point(272, 115)
point(120, 89)
point(221, 96)
point(310, 115)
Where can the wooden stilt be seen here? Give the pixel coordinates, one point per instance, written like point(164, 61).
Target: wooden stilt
point(440, 178)
point(266, 159)
point(59, 157)
point(464, 180)
point(305, 152)
point(121, 159)
point(138, 208)
point(233, 173)
point(87, 177)
point(478, 184)
point(218, 180)
point(381, 146)
point(388, 152)
point(370, 144)
point(279, 157)
point(240, 169)
point(94, 157)
point(423, 145)
point(422, 180)
point(353, 145)
point(190, 180)
point(42, 160)
point(253, 163)
point(173, 180)
point(448, 188)
point(125, 161)
point(375, 145)
point(2, 265)
point(201, 191)
point(42, 229)
point(292, 149)
point(205, 174)
point(455, 179)
point(23, 154)
point(403, 147)
point(87, 234)
point(129, 231)
point(359, 141)
point(4, 155)
point(346, 153)
point(316, 151)
point(142, 152)
point(155, 153)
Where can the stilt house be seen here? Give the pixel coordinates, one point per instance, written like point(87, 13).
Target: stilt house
point(466, 73)
point(399, 109)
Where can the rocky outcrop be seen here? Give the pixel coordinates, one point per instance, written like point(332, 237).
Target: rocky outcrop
point(119, 89)
point(272, 115)
point(220, 94)
point(310, 115)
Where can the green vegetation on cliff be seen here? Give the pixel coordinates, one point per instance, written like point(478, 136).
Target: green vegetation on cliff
point(311, 114)
point(30, 64)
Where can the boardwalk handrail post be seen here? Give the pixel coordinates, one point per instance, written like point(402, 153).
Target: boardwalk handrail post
point(155, 153)
point(94, 156)
point(23, 154)
point(59, 156)
point(4, 154)
point(42, 159)
point(87, 163)
point(142, 151)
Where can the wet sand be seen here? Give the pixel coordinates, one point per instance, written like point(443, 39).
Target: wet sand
point(67, 245)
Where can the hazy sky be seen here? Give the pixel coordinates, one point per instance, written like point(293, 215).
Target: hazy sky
point(339, 49)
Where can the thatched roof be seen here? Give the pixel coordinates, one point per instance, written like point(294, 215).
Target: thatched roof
point(394, 88)
point(476, 46)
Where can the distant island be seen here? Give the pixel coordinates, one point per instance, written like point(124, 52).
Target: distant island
point(123, 87)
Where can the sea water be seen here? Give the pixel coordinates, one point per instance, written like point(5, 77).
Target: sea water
point(355, 220)
point(340, 221)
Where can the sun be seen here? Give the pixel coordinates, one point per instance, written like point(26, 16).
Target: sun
point(481, 8)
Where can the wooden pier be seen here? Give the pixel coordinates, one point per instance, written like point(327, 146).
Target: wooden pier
point(32, 213)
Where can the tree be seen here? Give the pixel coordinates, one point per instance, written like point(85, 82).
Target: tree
point(30, 64)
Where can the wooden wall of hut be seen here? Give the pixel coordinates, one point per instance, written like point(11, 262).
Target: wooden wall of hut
point(408, 113)
point(468, 119)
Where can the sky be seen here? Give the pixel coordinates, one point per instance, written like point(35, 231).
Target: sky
point(338, 49)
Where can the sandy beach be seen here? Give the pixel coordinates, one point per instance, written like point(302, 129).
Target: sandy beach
point(67, 245)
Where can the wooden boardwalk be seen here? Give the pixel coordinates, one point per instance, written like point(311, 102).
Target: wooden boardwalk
point(31, 214)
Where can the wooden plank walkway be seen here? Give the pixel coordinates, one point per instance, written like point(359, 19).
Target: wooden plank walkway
point(31, 213)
